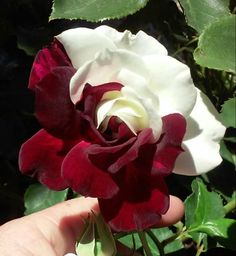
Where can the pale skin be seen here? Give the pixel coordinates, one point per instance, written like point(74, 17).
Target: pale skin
point(53, 231)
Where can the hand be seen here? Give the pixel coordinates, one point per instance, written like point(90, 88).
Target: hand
point(53, 231)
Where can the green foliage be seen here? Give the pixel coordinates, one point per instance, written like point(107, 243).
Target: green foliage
point(202, 206)
point(107, 244)
point(97, 239)
point(37, 197)
point(131, 240)
point(95, 10)
point(223, 230)
point(228, 113)
point(200, 14)
point(227, 154)
point(216, 47)
point(205, 216)
point(156, 238)
point(86, 244)
point(163, 234)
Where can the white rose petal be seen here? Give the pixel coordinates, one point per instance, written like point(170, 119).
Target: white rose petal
point(201, 141)
point(171, 81)
point(82, 44)
point(104, 68)
point(141, 43)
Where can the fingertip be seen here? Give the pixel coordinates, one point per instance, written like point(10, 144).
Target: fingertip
point(174, 214)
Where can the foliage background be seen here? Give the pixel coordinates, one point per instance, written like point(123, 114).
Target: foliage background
point(24, 29)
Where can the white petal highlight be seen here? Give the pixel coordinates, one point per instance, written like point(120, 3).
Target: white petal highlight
point(141, 43)
point(82, 44)
point(105, 68)
point(201, 142)
point(171, 81)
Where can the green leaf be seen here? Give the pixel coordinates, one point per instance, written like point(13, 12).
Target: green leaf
point(226, 154)
point(162, 234)
point(223, 230)
point(86, 244)
point(131, 240)
point(94, 10)
point(200, 14)
point(228, 113)
point(216, 46)
point(97, 239)
point(200, 207)
point(107, 244)
point(38, 197)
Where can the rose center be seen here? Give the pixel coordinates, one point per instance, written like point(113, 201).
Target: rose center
point(129, 110)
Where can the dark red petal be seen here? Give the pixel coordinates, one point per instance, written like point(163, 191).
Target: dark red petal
point(47, 59)
point(54, 109)
point(87, 105)
point(144, 137)
point(84, 177)
point(42, 156)
point(174, 128)
point(92, 95)
point(139, 214)
point(104, 156)
point(117, 132)
point(89, 131)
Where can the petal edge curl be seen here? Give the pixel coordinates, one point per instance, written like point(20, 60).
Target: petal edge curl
point(124, 215)
point(201, 142)
point(84, 177)
point(42, 156)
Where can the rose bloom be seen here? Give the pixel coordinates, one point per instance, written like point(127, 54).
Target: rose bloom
point(118, 116)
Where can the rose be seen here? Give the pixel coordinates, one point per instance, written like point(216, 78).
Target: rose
point(118, 115)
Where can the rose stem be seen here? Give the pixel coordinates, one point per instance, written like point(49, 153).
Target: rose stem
point(157, 242)
point(144, 242)
point(230, 206)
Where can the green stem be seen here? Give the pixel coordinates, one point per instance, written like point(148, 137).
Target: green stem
point(230, 206)
point(169, 240)
point(200, 250)
point(144, 242)
point(180, 228)
point(157, 242)
point(185, 47)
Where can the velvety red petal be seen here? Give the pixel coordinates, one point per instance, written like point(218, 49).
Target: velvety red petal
point(104, 156)
point(54, 109)
point(47, 59)
point(84, 177)
point(169, 147)
point(117, 156)
point(117, 132)
point(92, 95)
point(144, 137)
point(124, 214)
point(41, 156)
point(87, 105)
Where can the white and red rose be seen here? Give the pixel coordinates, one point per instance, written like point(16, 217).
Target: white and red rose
point(118, 115)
